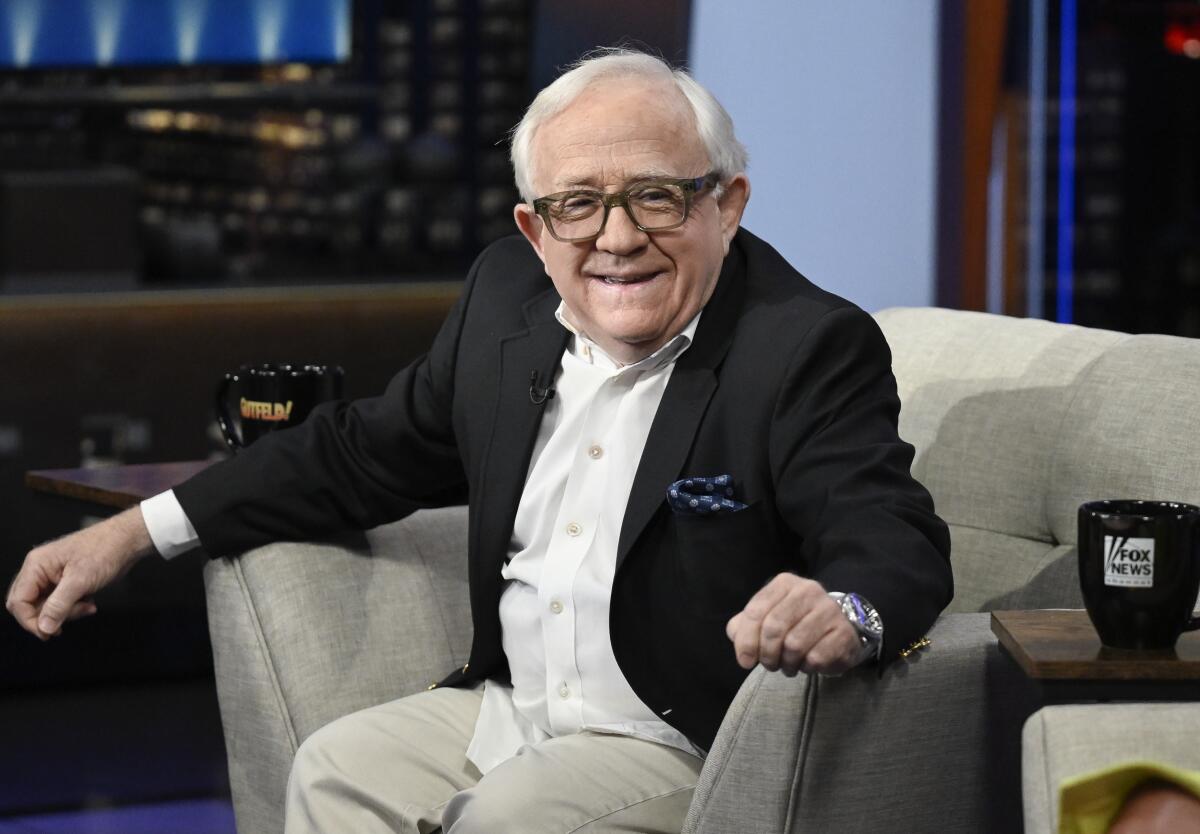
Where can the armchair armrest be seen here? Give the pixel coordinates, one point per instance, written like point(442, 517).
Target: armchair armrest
point(932, 745)
point(305, 633)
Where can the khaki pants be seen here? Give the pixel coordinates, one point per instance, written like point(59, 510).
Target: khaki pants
point(402, 767)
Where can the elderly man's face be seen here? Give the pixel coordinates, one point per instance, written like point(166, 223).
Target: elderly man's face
point(630, 291)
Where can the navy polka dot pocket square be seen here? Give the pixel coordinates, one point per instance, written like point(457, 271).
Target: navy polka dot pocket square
point(703, 496)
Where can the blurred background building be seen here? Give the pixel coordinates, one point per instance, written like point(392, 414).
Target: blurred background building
point(190, 185)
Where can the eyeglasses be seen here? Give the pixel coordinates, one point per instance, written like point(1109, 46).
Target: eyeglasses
point(654, 205)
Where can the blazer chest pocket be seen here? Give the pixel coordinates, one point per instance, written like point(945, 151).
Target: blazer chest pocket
point(723, 560)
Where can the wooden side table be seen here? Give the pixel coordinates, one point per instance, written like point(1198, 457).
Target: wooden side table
point(1060, 652)
point(117, 486)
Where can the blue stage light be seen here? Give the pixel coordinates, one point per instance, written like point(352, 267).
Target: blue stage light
point(190, 16)
point(106, 28)
point(1065, 307)
point(24, 18)
point(268, 24)
point(54, 33)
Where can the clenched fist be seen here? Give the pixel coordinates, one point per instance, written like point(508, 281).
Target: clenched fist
point(793, 625)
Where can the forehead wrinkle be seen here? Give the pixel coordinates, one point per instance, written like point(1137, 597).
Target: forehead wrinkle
point(609, 165)
point(598, 141)
point(626, 181)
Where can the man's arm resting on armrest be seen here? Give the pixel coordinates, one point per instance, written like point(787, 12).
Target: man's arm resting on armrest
point(57, 580)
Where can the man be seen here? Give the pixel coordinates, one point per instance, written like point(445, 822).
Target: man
point(679, 445)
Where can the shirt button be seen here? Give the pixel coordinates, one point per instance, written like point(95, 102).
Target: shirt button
point(574, 529)
point(564, 691)
point(595, 453)
point(556, 607)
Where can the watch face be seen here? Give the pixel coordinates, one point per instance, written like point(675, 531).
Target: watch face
point(862, 612)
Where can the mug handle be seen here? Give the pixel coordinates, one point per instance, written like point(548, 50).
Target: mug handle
point(224, 419)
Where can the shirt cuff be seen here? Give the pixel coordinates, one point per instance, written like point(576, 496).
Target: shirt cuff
point(168, 524)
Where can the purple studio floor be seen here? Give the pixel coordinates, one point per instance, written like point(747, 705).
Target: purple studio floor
point(193, 816)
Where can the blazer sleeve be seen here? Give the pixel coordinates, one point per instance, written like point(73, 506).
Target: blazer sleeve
point(843, 480)
point(349, 465)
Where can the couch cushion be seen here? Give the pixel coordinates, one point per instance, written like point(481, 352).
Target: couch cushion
point(1132, 430)
point(983, 399)
point(989, 565)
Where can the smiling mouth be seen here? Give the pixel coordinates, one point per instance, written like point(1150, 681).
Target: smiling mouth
point(625, 280)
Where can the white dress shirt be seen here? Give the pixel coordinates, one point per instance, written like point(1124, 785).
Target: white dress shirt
point(563, 556)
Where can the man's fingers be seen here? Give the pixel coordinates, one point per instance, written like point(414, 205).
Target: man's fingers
point(796, 646)
point(26, 593)
point(829, 657)
point(745, 643)
point(832, 652)
point(26, 614)
point(825, 651)
point(735, 622)
point(59, 605)
point(758, 631)
point(745, 627)
point(794, 626)
point(799, 608)
point(768, 596)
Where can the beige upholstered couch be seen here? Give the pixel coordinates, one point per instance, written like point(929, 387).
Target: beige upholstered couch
point(1015, 422)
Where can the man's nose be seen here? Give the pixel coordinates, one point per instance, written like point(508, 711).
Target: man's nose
point(620, 234)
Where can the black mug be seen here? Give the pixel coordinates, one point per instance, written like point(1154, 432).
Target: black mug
point(1139, 569)
point(270, 397)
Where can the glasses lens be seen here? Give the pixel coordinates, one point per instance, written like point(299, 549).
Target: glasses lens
point(576, 215)
point(658, 205)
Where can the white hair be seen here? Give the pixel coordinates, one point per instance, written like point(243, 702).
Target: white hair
point(726, 155)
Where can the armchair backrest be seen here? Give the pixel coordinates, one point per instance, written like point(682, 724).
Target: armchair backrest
point(1016, 422)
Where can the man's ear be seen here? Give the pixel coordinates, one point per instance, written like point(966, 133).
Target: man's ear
point(531, 226)
point(732, 204)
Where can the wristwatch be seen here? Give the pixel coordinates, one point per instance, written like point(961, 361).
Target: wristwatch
point(866, 621)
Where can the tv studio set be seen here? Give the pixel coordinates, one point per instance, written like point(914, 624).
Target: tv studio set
point(680, 417)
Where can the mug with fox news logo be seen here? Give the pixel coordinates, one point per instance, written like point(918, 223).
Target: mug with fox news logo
point(258, 399)
point(1139, 568)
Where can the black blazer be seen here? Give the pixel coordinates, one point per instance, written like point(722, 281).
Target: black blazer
point(786, 388)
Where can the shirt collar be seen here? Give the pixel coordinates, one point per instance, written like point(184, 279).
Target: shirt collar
point(585, 350)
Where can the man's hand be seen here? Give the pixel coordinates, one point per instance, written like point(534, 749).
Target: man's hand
point(793, 625)
point(1157, 806)
point(58, 578)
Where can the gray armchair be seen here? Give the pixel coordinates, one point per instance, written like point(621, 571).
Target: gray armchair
point(1015, 422)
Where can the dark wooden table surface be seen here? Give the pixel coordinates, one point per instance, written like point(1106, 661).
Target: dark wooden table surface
point(115, 486)
point(1061, 651)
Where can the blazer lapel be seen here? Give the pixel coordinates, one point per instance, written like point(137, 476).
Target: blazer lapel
point(683, 404)
point(537, 350)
